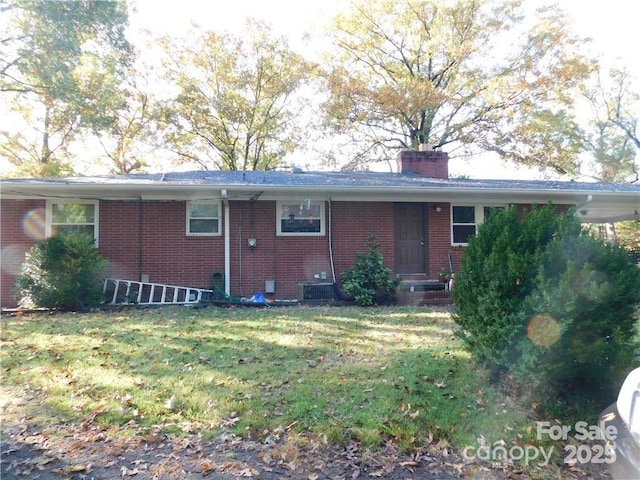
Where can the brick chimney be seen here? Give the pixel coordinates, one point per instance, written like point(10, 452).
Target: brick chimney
point(427, 162)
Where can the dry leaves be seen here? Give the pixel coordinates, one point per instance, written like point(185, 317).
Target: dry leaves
point(90, 451)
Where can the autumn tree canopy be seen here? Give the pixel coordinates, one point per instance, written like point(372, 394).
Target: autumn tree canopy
point(60, 71)
point(466, 72)
point(235, 101)
point(468, 76)
point(612, 137)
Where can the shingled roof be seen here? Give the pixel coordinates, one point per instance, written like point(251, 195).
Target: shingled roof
point(328, 180)
point(362, 186)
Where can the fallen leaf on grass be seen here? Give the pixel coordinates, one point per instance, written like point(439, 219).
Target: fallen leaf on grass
point(457, 466)
point(250, 359)
point(239, 470)
point(248, 472)
point(231, 421)
point(125, 472)
point(39, 462)
point(79, 468)
point(170, 403)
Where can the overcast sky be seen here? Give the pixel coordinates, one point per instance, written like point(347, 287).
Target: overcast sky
point(613, 24)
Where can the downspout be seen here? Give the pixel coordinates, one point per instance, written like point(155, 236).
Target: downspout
point(140, 233)
point(227, 244)
point(336, 288)
point(588, 200)
point(330, 238)
point(239, 237)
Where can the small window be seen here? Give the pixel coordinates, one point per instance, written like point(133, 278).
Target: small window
point(465, 220)
point(203, 218)
point(301, 218)
point(72, 217)
point(463, 224)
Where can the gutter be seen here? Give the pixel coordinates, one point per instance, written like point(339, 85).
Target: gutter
point(159, 192)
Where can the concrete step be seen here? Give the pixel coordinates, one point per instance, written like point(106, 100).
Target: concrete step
point(423, 293)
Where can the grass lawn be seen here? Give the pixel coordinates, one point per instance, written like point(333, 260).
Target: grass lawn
point(369, 375)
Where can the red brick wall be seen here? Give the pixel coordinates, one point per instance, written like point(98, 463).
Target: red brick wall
point(456, 252)
point(524, 208)
point(430, 163)
point(291, 260)
point(23, 223)
point(353, 222)
point(150, 238)
point(438, 238)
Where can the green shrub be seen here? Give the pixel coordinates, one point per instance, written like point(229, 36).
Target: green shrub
point(541, 299)
point(369, 282)
point(62, 272)
point(589, 293)
point(498, 268)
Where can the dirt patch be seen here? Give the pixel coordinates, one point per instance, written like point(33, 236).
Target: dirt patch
point(91, 452)
point(67, 452)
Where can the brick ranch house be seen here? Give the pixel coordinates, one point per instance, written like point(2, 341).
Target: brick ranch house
point(276, 231)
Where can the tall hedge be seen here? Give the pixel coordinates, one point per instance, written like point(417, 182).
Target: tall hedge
point(63, 272)
point(540, 298)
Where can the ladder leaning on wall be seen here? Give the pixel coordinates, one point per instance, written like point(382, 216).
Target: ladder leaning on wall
point(127, 292)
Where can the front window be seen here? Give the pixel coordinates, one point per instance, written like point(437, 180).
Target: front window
point(72, 216)
point(203, 218)
point(301, 218)
point(463, 224)
point(465, 220)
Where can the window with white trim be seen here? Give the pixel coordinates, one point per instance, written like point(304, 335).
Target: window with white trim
point(203, 218)
point(465, 220)
point(72, 216)
point(303, 217)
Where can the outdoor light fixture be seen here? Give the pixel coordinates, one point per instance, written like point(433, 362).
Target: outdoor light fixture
point(437, 208)
point(252, 242)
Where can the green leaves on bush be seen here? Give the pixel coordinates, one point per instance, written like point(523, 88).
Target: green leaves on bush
point(369, 281)
point(540, 298)
point(62, 272)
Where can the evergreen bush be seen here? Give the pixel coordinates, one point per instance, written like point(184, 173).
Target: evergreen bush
point(369, 282)
point(542, 300)
point(62, 272)
point(589, 293)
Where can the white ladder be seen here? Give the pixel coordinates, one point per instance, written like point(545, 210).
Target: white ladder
point(124, 292)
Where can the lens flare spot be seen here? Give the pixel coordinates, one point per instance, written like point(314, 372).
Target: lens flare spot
point(33, 224)
point(543, 330)
point(12, 258)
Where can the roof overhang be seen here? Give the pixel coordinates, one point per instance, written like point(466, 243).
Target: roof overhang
point(595, 206)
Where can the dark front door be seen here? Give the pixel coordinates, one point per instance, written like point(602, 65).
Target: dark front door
point(409, 238)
